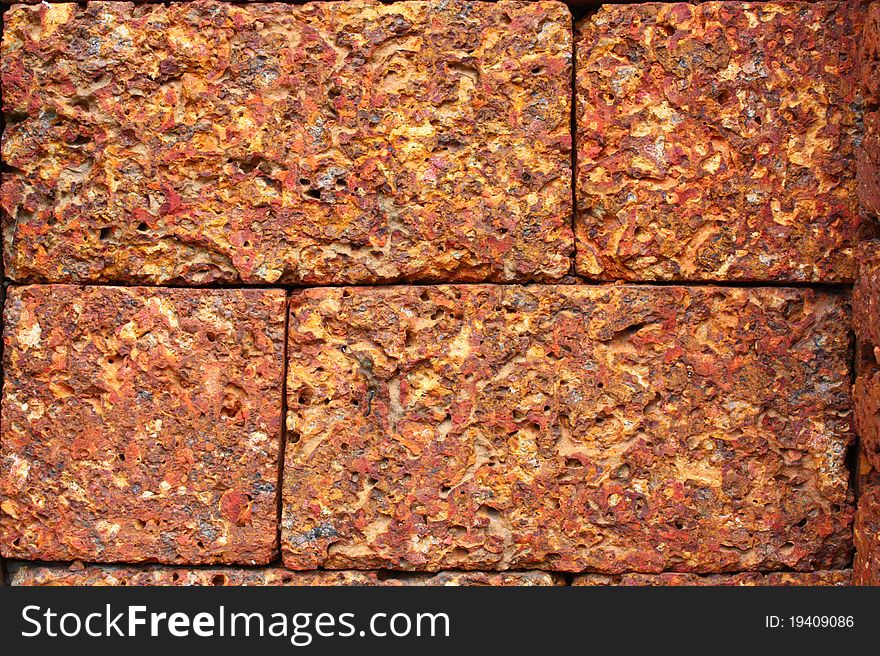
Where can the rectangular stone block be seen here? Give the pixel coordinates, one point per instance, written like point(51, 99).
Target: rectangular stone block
point(609, 428)
point(842, 577)
point(716, 141)
point(141, 424)
point(112, 575)
point(332, 142)
point(868, 165)
point(866, 566)
point(866, 322)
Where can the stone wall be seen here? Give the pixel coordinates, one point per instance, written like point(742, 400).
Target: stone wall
point(440, 293)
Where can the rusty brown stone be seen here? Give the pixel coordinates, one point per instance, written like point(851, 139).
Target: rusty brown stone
point(866, 567)
point(868, 165)
point(110, 575)
point(870, 55)
point(610, 428)
point(866, 322)
point(866, 564)
point(841, 577)
point(866, 402)
point(716, 141)
point(210, 142)
point(141, 424)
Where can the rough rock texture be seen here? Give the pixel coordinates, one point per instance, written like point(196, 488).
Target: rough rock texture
point(332, 142)
point(866, 322)
point(870, 55)
point(607, 428)
point(866, 565)
point(141, 424)
point(716, 141)
point(868, 162)
point(841, 577)
point(868, 165)
point(121, 575)
point(866, 402)
point(866, 568)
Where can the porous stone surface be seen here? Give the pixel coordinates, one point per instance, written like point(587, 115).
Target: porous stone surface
point(609, 428)
point(866, 566)
point(37, 575)
point(141, 424)
point(841, 577)
point(866, 322)
point(870, 55)
point(868, 162)
point(210, 142)
point(868, 165)
point(716, 141)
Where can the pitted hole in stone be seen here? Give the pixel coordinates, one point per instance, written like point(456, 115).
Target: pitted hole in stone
point(459, 553)
point(142, 227)
point(723, 97)
point(106, 233)
point(219, 579)
point(305, 396)
point(233, 402)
